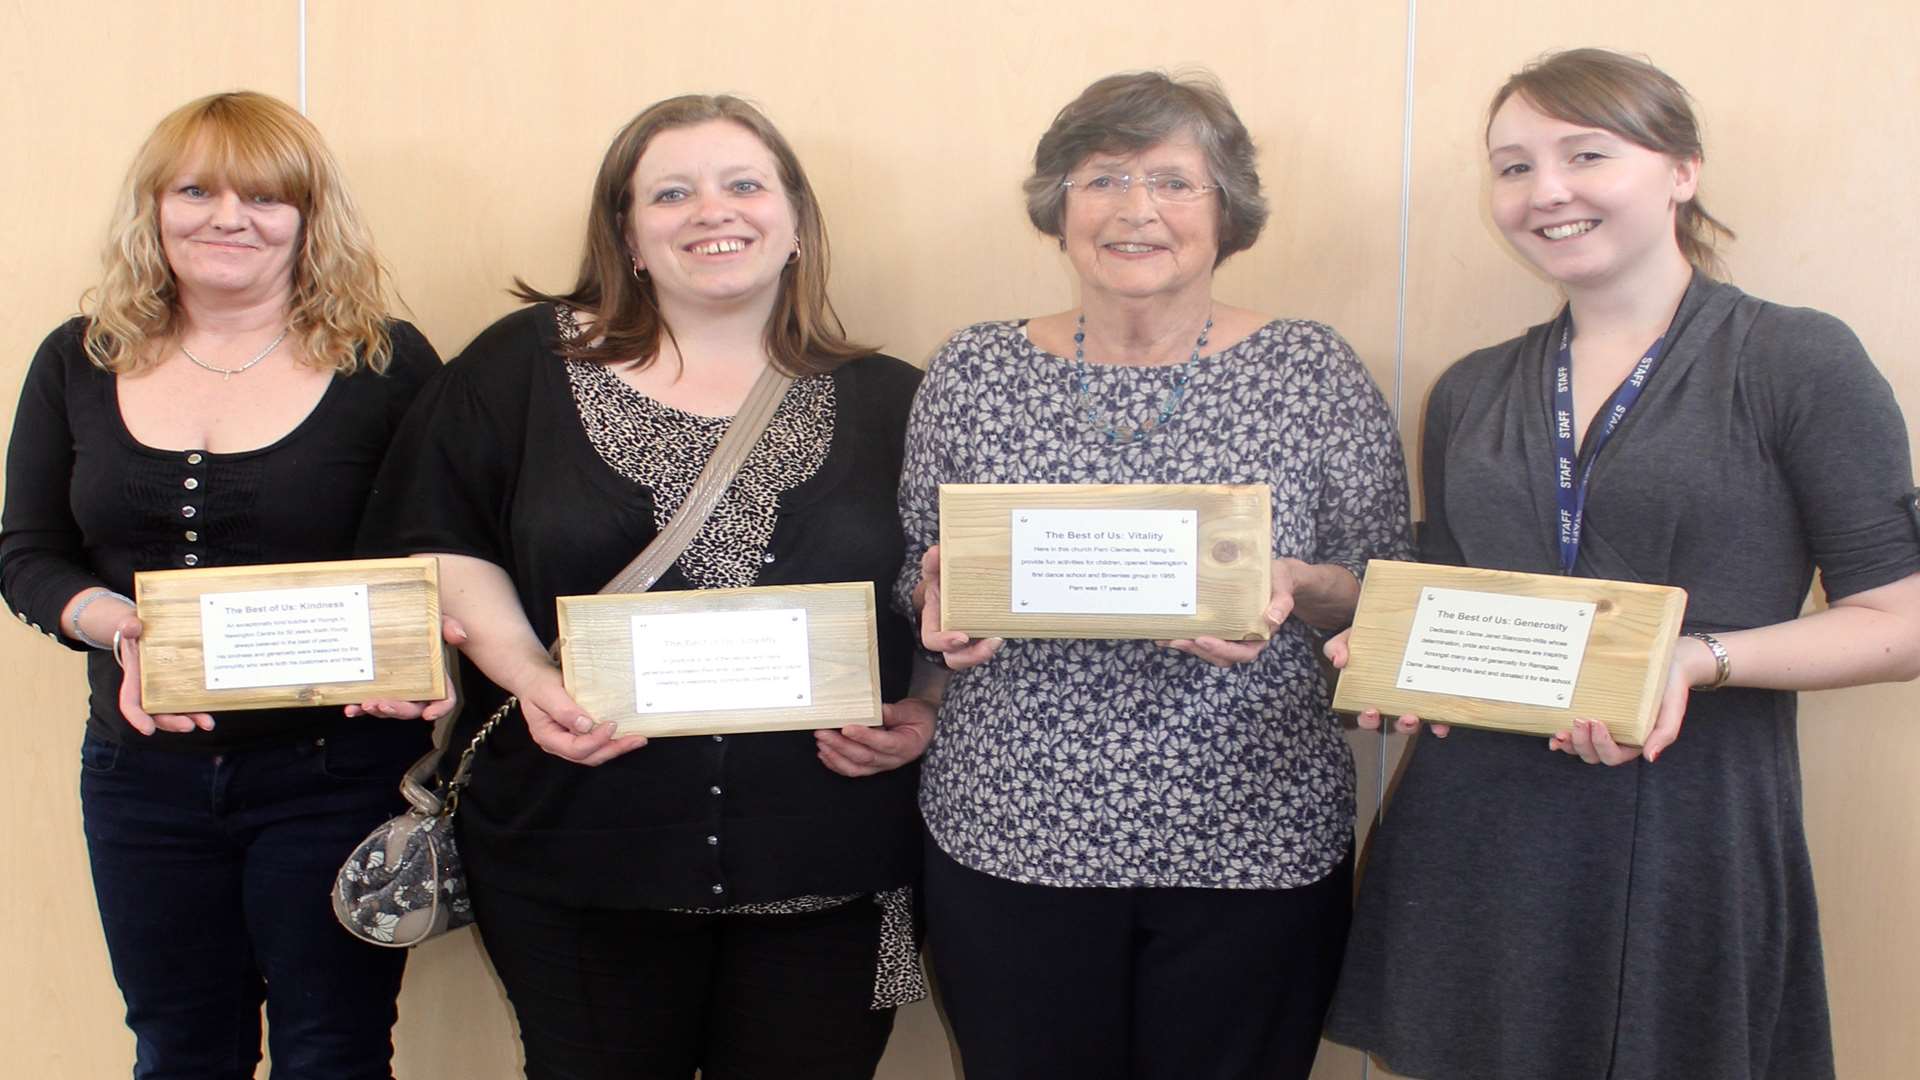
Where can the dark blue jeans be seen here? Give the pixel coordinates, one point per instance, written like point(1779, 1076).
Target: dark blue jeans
point(214, 876)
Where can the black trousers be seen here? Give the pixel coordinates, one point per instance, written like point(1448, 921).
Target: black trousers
point(1142, 983)
point(638, 995)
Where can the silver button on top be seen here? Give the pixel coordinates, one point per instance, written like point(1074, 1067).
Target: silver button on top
point(190, 483)
point(719, 738)
point(718, 889)
point(713, 841)
point(194, 458)
point(767, 558)
point(188, 511)
point(191, 560)
point(714, 790)
point(193, 536)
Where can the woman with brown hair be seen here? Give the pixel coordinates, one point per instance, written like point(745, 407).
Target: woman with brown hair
point(738, 905)
point(1140, 853)
point(1523, 913)
point(225, 400)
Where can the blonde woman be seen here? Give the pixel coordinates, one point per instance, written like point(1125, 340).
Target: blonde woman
point(225, 400)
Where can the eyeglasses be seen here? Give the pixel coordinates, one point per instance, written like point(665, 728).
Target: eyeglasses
point(1161, 187)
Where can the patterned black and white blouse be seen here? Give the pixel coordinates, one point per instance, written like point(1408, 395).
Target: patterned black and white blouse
point(664, 449)
point(1124, 763)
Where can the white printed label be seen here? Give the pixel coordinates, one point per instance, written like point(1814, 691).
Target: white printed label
point(1104, 562)
point(286, 637)
point(1491, 645)
point(711, 661)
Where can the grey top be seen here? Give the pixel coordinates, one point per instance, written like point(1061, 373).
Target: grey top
point(1124, 762)
point(1524, 915)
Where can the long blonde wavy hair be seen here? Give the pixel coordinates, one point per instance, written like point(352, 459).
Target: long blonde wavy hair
point(257, 145)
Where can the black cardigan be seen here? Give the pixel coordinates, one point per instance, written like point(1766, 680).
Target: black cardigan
point(494, 463)
point(88, 504)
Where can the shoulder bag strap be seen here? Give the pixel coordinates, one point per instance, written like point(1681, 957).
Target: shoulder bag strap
point(749, 423)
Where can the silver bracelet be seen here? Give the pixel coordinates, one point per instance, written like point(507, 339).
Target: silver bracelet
point(1721, 660)
point(81, 635)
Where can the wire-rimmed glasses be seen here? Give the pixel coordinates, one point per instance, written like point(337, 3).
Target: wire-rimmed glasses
point(1162, 187)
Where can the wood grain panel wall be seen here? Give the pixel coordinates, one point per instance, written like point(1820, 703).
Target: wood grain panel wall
point(471, 130)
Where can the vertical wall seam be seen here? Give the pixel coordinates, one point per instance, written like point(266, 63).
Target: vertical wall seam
point(300, 14)
point(1399, 363)
point(1406, 214)
point(1400, 311)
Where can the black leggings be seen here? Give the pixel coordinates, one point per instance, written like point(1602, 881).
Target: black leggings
point(639, 995)
point(1141, 983)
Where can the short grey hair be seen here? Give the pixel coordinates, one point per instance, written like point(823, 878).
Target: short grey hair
point(1127, 113)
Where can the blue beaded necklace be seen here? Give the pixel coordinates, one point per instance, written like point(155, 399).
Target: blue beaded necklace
point(1169, 401)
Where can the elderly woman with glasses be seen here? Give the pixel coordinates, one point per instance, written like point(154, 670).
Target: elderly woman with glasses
point(1140, 852)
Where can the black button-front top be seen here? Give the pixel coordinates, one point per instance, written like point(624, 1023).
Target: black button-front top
point(87, 505)
point(496, 462)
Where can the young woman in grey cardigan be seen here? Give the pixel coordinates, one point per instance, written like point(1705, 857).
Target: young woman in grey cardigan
point(1524, 914)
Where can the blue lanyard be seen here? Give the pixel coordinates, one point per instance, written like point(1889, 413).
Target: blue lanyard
point(1572, 497)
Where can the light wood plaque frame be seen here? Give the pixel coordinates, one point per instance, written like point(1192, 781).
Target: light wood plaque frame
point(843, 654)
point(1622, 673)
point(403, 606)
point(1234, 550)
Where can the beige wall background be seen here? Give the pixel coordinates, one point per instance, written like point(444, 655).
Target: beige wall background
point(471, 131)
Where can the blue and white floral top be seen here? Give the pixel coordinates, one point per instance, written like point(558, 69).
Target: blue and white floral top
point(1125, 763)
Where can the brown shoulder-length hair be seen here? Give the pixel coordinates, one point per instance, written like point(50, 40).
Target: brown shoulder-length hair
point(1130, 111)
point(1628, 96)
point(804, 335)
point(257, 145)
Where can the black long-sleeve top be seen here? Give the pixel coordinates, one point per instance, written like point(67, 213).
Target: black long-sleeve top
point(87, 505)
point(494, 463)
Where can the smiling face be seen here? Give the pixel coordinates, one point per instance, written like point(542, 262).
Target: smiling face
point(1586, 206)
point(225, 243)
point(710, 222)
point(1133, 246)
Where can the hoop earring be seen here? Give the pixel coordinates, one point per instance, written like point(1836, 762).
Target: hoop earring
point(639, 272)
point(794, 256)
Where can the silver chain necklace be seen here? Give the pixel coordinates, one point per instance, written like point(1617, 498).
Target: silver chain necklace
point(226, 373)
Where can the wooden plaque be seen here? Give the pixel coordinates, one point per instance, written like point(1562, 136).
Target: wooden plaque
point(1233, 565)
point(403, 609)
point(1622, 672)
point(598, 661)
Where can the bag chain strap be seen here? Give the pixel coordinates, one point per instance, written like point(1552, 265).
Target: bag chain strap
point(450, 791)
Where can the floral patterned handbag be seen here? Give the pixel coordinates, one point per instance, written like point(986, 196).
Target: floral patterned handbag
point(405, 883)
